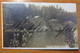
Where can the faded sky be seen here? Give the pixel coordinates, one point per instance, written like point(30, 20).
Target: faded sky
point(69, 7)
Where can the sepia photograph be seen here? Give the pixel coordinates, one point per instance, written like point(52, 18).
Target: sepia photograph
point(38, 25)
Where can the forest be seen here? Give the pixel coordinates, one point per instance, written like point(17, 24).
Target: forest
point(19, 12)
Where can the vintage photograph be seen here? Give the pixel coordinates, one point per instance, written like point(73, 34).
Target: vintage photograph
point(29, 25)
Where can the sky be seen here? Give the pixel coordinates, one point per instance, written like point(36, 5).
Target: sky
point(69, 7)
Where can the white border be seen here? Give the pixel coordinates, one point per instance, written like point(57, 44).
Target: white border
point(27, 48)
point(42, 48)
